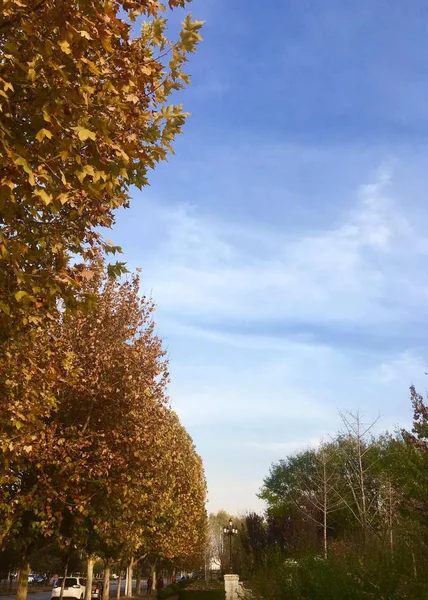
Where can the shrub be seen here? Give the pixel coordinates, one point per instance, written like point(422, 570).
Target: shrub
point(218, 594)
point(168, 591)
point(351, 577)
point(172, 589)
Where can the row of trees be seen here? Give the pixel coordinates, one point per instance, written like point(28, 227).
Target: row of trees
point(92, 457)
point(357, 486)
point(109, 469)
point(348, 518)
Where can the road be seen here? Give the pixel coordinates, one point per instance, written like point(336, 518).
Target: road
point(47, 595)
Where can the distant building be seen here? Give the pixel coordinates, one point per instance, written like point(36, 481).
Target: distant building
point(215, 565)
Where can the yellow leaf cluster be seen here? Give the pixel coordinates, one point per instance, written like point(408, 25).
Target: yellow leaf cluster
point(78, 99)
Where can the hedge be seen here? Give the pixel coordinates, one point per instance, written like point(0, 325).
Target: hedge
point(184, 594)
point(172, 589)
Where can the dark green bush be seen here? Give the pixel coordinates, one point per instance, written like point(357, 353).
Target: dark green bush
point(191, 594)
point(372, 576)
point(172, 589)
point(168, 591)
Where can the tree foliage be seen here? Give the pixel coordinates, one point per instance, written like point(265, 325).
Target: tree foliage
point(86, 432)
point(109, 469)
point(85, 114)
point(377, 529)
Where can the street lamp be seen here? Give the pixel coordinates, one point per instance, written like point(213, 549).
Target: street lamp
point(230, 531)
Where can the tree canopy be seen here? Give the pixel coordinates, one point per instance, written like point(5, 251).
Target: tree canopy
point(92, 456)
point(108, 468)
point(85, 114)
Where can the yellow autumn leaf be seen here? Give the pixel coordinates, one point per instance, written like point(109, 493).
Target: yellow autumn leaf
point(83, 133)
point(42, 134)
point(85, 34)
point(46, 115)
point(63, 198)
point(47, 198)
point(20, 295)
point(9, 183)
point(132, 98)
point(65, 46)
point(5, 308)
point(89, 170)
point(92, 67)
point(24, 164)
point(107, 44)
point(99, 175)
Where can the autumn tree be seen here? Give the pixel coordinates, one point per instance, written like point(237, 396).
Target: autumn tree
point(410, 474)
point(418, 437)
point(173, 523)
point(110, 392)
point(123, 379)
point(85, 114)
point(112, 472)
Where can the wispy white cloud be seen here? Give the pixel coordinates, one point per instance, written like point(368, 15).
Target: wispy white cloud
point(271, 330)
point(404, 366)
point(360, 271)
point(289, 282)
point(286, 448)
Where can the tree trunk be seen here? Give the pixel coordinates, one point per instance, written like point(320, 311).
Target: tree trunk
point(362, 488)
point(415, 571)
point(153, 573)
point(391, 521)
point(119, 581)
point(106, 588)
point(24, 571)
point(89, 574)
point(61, 594)
point(130, 574)
point(325, 492)
point(138, 582)
point(325, 528)
point(126, 582)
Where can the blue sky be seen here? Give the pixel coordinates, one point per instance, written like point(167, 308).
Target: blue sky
point(286, 242)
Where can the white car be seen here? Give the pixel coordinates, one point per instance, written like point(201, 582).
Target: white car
point(74, 587)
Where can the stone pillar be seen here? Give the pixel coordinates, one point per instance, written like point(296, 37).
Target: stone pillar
point(231, 583)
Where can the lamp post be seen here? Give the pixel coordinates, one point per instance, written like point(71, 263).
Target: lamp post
point(230, 531)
